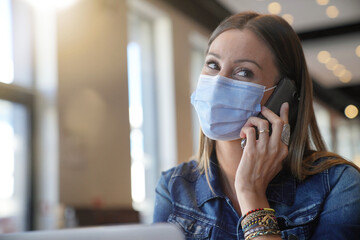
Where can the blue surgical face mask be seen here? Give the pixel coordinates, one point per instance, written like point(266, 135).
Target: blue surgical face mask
point(224, 105)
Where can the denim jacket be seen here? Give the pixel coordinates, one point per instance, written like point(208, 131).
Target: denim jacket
point(324, 206)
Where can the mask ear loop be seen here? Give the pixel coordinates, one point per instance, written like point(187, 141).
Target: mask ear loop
point(243, 141)
point(270, 88)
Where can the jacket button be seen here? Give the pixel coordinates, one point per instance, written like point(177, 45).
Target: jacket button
point(293, 237)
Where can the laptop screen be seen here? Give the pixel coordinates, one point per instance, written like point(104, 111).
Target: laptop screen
point(162, 231)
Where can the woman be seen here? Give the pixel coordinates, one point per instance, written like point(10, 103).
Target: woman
point(274, 186)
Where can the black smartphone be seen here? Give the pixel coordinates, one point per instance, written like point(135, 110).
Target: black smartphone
point(285, 91)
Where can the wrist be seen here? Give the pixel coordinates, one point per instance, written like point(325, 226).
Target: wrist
point(260, 222)
point(251, 200)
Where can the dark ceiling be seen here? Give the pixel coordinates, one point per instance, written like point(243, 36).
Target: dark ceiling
point(210, 13)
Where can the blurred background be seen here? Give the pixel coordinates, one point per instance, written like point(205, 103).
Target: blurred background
point(95, 98)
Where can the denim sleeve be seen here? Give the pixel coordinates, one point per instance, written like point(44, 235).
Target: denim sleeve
point(163, 203)
point(340, 217)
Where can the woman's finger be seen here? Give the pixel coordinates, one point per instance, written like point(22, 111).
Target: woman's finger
point(284, 112)
point(262, 125)
point(250, 135)
point(277, 122)
point(272, 117)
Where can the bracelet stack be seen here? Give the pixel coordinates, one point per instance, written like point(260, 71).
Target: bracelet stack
point(259, 222)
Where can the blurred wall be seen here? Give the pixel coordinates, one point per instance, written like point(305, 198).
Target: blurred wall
point(93, 105)
point(93, 100)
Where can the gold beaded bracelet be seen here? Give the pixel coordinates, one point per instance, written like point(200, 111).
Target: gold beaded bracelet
point(256, 214)
point(262, 233)
point(259, 222)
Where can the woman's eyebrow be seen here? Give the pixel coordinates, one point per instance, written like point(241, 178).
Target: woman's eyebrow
point(238, 60)
point(248, 60)
point(214, 54)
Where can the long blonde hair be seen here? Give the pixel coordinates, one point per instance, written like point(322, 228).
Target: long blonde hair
point(306, 144)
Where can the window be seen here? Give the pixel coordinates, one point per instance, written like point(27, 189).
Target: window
point(16, 110)
point(14, 167)
point(340, 134)
point(151, 102)
point(347, 138)
point(136, 123)
point(323, 119)
point(6, 56)
point(142, 105)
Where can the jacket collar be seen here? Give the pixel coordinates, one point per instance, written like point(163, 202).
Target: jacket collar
point(203, 190)
point(282, 188)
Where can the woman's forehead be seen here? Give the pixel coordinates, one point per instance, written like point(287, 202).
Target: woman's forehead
point(236, 43)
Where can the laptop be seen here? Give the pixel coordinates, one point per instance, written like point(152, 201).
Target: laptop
point(160, 231)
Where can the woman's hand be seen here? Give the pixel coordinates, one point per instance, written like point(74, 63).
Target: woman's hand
point(261, 159)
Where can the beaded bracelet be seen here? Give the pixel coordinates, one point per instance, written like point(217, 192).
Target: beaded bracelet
point(256, 220)
point(256, 229)
point(268, 221)
point(252, 222)
point(253, 212)
point(259, 209)
point(262, 233)
point(260, 213)
point(259, 222)
point(246, 229)
point(256, 214)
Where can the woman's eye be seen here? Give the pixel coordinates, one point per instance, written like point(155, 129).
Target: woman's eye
point(244, 73)
point(212, 65)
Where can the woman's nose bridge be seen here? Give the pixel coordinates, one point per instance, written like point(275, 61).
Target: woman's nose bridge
point(226, 71)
